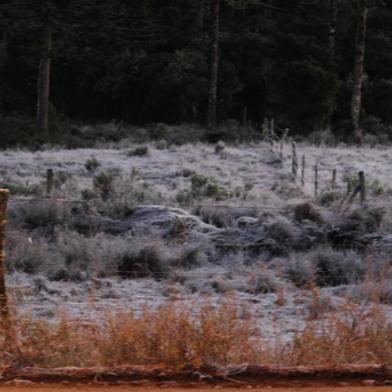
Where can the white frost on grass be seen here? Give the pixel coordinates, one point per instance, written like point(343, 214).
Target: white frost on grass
point(254, 168)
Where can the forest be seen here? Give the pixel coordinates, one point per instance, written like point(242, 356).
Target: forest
point(310, 65)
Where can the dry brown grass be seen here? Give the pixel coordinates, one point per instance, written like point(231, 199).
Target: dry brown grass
point(174, 338)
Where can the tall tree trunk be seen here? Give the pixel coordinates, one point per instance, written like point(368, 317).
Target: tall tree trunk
point(44, 82)
point(4, 43)
point(360, 46)
point(333, 16)
point(213, 90)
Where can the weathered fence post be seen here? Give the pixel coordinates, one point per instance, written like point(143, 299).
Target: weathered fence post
point(4, 311)
point(362, 187)
point(316, 182)
point(294, 161)
point(303, 170)
point(281, 153)
point(49, 181)
point(272, 127)
point(333, 178)
point(349, 188)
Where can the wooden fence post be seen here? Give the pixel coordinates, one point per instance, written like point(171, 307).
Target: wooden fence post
point(4, 311)
point(316, 182)
point(303, 170)
point(294, 161)
point(49, 181)
point(362, 187)
point(349, 188)
point(333, 178)
point(281, 153)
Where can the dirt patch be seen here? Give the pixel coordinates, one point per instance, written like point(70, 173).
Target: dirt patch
point(90, 388)
point(241, 377)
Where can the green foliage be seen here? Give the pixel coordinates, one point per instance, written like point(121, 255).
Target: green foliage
point(148, 61)
point(103, 184)
point(92, 164)
point(139, 152)
point(307, 94)
point(202, 186)
point(15, 131)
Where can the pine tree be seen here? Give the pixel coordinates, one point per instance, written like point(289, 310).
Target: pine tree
point(359, 61)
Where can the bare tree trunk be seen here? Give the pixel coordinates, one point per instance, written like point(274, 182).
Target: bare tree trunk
point(213, 90)
point(360, 46)
point(333, 10)
point(44, 82)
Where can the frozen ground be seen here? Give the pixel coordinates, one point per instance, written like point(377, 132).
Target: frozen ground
point(240, 195)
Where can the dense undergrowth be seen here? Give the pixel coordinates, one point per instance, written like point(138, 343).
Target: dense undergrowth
point(105, 221)
point(175, 337)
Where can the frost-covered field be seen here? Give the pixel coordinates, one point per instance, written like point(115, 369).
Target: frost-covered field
point(133, 227)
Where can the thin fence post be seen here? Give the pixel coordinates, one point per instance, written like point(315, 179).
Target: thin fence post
point(333, 178)
point(272, 126)
point(316, 181)
point(362, 187)
point(4, 311)
point(303, 170)
point(348, 187)
point(49, 181)
point(294, 164)
point(281, 153)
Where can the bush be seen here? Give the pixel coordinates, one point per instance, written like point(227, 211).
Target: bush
point(207, 187)
point(262, 282)
point(177, 134)
point(189, 257)
point(329, 196)
point(17, 188)
point(28, 256)
point(103, 183)
point(20, 131)
point(139, 152)
point(144, 262)
point(92, 164)
point(334, 268)
point(43, 215)
point(300, 271)
point(282, 230)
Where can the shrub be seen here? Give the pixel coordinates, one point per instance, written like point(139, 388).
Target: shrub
point(282, 230)
point(149, 260)
point(300, 271)
point(202, 186)
point(139, 152)
point(22, 189)
point(307, 211)
point(334, 268)
point(177, 134)
point(103, 183)
point(219, 217)
point(92, 164)
point(43, 215)
point(28, 256)
point(262, 282)
point(328, 196)
point(20, 131)
point(189, 257)
point(161, 145)
point(78, 257)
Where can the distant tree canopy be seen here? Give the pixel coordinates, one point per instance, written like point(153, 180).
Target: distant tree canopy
point(152, 60)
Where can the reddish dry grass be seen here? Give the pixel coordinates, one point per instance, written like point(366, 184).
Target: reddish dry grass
point(174, 338)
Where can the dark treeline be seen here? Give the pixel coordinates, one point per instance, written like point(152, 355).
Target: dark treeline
point(309, 64)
